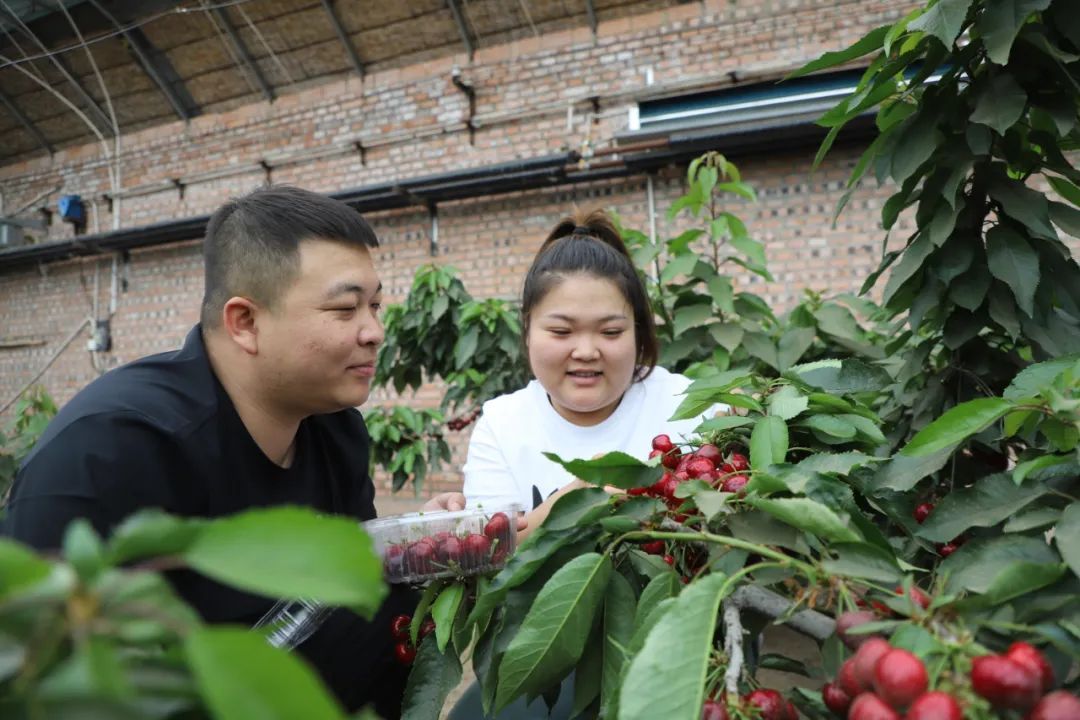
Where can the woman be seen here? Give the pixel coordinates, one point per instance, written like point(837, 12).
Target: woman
point(591, 345)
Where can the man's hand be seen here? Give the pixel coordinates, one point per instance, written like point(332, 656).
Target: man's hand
point(451, 501)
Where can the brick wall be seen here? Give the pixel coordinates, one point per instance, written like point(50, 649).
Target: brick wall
point(410, 123)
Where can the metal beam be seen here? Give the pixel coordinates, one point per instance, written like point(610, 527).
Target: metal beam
point(223, 16)
point(590, 9)
point(95, 110)
point(156, 65)
point(343, 36)
point(27, 124)
point(460, 20)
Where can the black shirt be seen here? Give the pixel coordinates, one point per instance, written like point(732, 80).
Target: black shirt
point(161, 432)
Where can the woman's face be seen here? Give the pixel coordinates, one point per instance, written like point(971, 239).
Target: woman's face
point(582, 347)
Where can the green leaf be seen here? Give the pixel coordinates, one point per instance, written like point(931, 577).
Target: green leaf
point(292, 552)
point(553, 634)
point(1034, 379)
point(465, 347)
point(975, 565)
point(1022, 470)
point(615, 468)
point(768, 442)
point(988, 502)
point(1013, 261)
point(681, 265)
point(956, 425)
point(1065, 189)
point(1001, 20)
point(1025, 205)
point(868, 43)
point(831, 425)
point(915, 256)
point(839, 463)
point(444, 611)
point(918, 140)
point(809, 516)
point(620, 607)
point(752, 249)
point(589, 670)
point(667, 678)
point(1000, 104)
point(582, 505)
point(1067, 537)
point(241, 676)
point(969, 290)
point(689, 316)
point(727, 335)
point(726, 422)
point(20, 567)
point(787, 402)
point(1021, 578)
point(661, 587)
point(151, 533)
point(862, 560)
point(432, 677)
point(793, 343)
point(83, 550)
point(842, 377)
point(943, 20)
point(1031, 519)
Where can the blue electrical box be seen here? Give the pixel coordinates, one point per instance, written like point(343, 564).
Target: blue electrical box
point(72, 209)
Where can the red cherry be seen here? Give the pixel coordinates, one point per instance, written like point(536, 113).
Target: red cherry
point(922, 511)
point(835, 699)
point(656, 547)
point(714, 710)
point(1005, 682)
point(847, 680)
point(848, 620)
point(771, 703)
point(934, 706)
point(1030, 657)
point(662, 443)
point(735, 484)
point(1060, 705)
point(699, 466)
point(739, 462)
point(399, 626)
point(420, 556)
point(404, 653)
point(900, 677)
point(671, 459)
point(450, 551)
point(475, 550)
point(498, 527)
point(710, 453)
point(655, 453)
point(869, 706)
point(426, 628)
point(917, 596)
point(947, 549)
point(669, 559)
point(866, 659)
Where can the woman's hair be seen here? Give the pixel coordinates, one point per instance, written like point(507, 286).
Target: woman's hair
point(591, 245)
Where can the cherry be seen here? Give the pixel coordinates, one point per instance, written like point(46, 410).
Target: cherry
point(869, 706)
point(934, 706)
point(394, 561)
point(847, 680)
point(426, 628)
point(772, 705)
point(739, 462)
point(900, 677)
point(710, 453)
point(399, 626)
point(655, 547)
point(475, 549)
point(917, 596)
point(866, 659)
point(663, 443)
point(922, 511)
point(669, 559)
point(419, 556)
point(655, 453)
point(450, 551)
point(735, 484)
point(947, 549)
point(1030, 657)
point(835, 699)
point(667, 487)
point(714, 710)
point(848, 620)
point(1059, 705)
point(671, 459)
point(1005, 682)
point(404, 653)
point(498, 526)
point(699, 466)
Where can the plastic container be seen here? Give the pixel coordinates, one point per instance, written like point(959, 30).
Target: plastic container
point(418, 547)
point(290, 622)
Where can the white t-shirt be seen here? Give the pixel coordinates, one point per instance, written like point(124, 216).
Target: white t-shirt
point(505, 463)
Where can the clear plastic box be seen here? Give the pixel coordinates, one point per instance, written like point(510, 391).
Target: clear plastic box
point(417, 547)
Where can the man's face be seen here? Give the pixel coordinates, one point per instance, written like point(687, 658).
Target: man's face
point(317, 347)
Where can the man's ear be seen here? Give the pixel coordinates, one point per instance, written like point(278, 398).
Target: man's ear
point(238, 320)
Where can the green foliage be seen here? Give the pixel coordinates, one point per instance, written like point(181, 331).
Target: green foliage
point(406, 443)
point(82, 636)
point(33, 412)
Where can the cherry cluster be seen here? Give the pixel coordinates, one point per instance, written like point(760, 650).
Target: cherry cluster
point(463, 421)
point(724, 471)
point(763, 703)
point(404, 650)
point(468, 553)
point(879, 682)
point(921, 512)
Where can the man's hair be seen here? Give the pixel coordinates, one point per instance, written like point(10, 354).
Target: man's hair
point(252, 243)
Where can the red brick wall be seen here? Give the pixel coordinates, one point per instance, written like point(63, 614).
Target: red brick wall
point(523, 89)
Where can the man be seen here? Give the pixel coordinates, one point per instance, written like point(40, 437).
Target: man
point(256, 409)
